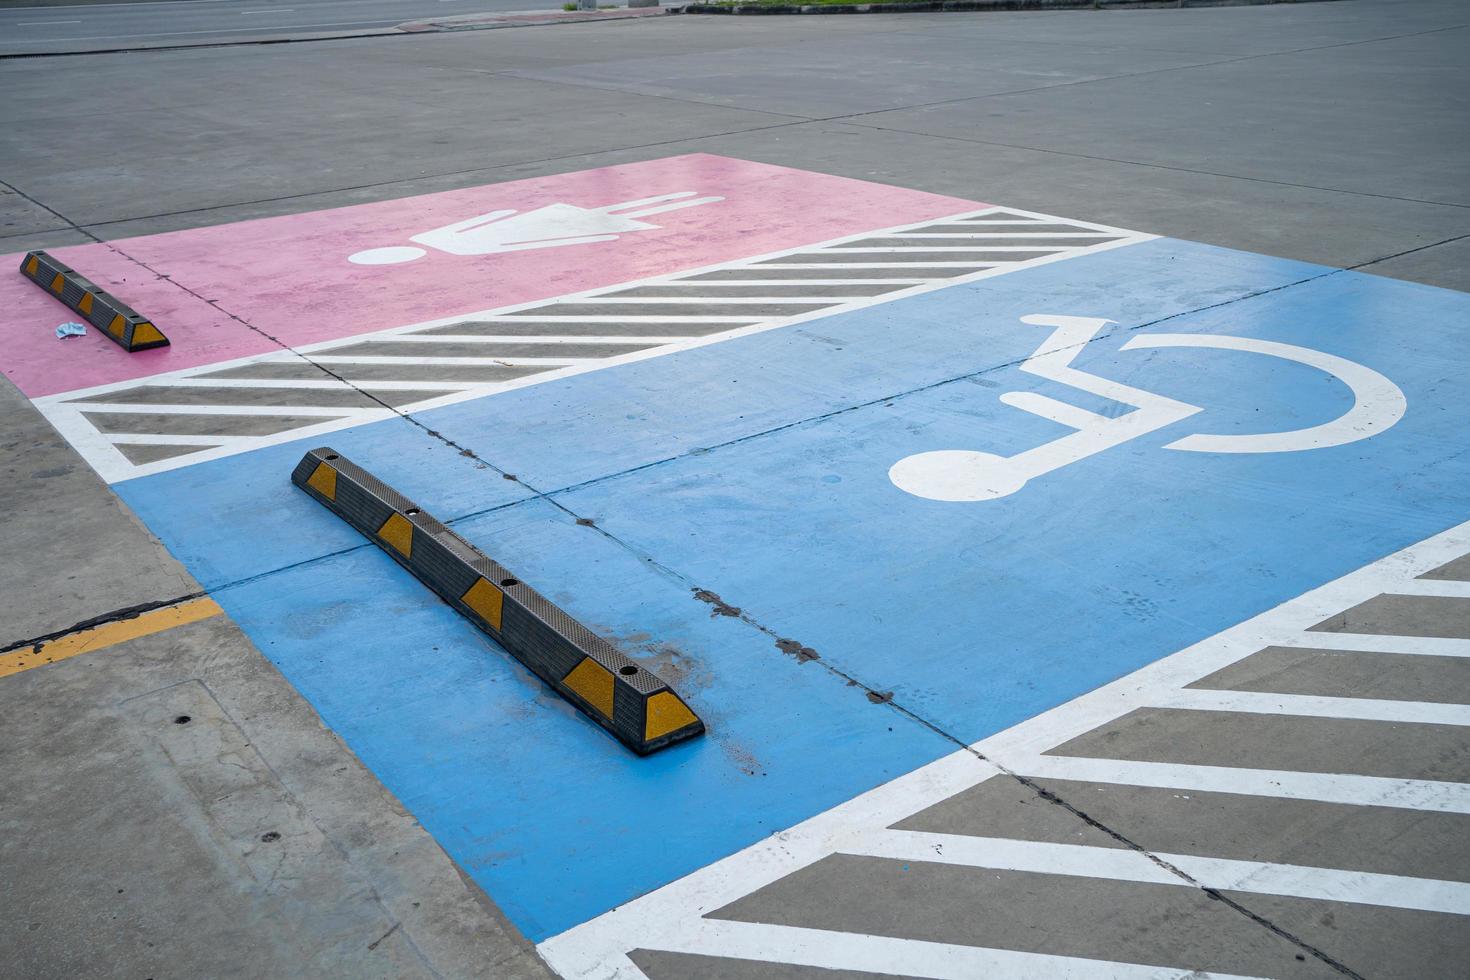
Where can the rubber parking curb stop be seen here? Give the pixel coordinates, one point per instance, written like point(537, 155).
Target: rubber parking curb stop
point(116, 320)
point(636, 706)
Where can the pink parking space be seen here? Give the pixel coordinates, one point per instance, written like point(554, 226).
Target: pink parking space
point(249, 287)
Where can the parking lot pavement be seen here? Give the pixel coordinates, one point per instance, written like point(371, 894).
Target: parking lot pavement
point(1042, 471)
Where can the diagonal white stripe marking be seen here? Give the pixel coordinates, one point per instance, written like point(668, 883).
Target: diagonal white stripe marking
point(1424, 646)
point(1445, 588)
point(466, 361)
point(1307, 706)
point(1121, 864)
point(899, 249)
point(1327, 884)
point(538, 318)
point(661, 919)
point(677, 301)
point(996, 235)
point(325, 384)
point(153, 439)
point(901, 957)
point(1406, 794)
point(174, 408)
point(1005, 854)
point(887, 265)
point(112, 466)
point(474, 338)
point(755, 280)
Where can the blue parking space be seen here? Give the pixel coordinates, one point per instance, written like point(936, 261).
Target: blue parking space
point(759, 469)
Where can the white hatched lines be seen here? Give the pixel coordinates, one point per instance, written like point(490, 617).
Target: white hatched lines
point(1213, 781)
point(135, 428)
point(890, 957)
point(1121, 864)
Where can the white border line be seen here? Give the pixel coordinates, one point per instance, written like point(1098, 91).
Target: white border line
point(113, 467)
point(668, 916)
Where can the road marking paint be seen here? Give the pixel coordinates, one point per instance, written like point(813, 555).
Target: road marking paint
point(41, 23)
point(475, 338)
point(326, 383)
point(831, 950)
point(1442, 588)
point(107, 635)
point(1326, 884)
point(1423, 646)
point(1309, 706)
point(166, 408)
point(900, 249)
point(1121, 864)
point(1407, 794)
point(169, 439)
point(480, 361)
point(1002, 854)
point(792, 264)
point(64, 410)
point(671, 917)
point(696, 299)
point(995, 235)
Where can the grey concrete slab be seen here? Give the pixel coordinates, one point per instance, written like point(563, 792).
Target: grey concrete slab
point(1403, 615)
point(1306, 223)
point(1446, 265)
point(533, 328)
point(1376, 942)
point(659, 965)
point(1307, 833)
point(1248, 31)
point(91, 555)
point(195, 425)
point(1140, 119)
point(137, 844)
point(21, 216)
point(1006, 807)
point(660, 37)
point(343, 396)
point(1166, 925)
point(272, 142)
point(1346, 674)
point(53, 238)
point(817, 78)
point(1289, 742)
point(86, 26)
point(1454, 571)
point(1334, 118)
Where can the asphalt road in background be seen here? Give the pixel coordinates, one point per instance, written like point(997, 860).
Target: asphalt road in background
point(63, 28)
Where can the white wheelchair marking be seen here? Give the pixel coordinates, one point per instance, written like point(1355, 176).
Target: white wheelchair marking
point(968, 475)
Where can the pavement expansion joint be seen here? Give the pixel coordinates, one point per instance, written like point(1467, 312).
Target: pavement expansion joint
point(721, 607)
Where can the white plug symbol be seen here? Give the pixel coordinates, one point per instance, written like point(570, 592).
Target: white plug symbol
point(547, 227)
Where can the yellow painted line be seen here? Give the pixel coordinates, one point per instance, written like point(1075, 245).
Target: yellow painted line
point(108, 634)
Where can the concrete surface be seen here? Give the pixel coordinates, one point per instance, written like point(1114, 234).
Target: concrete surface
point(1325, 133)
point(136, 845)
point(85, 26)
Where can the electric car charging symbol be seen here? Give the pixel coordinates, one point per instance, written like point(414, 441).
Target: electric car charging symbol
point(967, 475)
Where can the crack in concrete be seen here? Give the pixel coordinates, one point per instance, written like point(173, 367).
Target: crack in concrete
point(797, 120)
point(698, 594)
point(103, 619)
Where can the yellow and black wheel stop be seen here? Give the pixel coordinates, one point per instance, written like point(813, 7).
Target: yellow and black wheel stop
point(635, 705)
point(116, 320)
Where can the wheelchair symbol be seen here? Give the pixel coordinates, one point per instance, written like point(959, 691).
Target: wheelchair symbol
point(966, 475)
